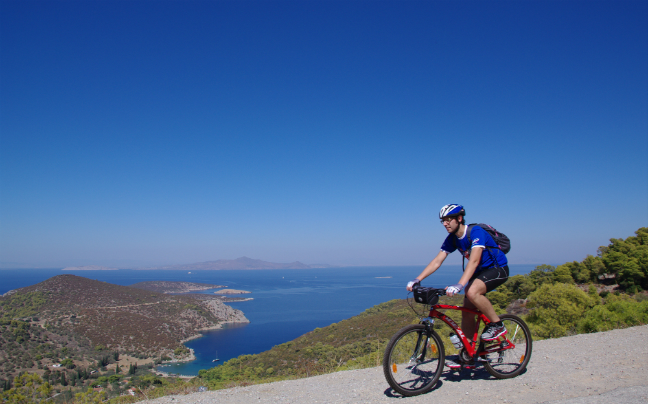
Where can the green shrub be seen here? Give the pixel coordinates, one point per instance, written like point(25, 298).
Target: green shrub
point(617, 312)
point(68, 363)
point(556, 309)
point(499, 298)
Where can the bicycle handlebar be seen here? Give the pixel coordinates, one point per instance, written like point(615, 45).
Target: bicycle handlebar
point(438, 292)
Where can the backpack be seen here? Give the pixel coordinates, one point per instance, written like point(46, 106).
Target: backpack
point(502, 241)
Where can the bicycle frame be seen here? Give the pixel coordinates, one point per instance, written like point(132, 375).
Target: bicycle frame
point(471, 347)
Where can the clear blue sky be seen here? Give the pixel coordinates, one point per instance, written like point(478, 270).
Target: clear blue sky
point(160, 132)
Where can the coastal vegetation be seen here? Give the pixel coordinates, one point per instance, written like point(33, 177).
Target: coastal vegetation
point(602, 292)
point(83, 387)
point(76, 333)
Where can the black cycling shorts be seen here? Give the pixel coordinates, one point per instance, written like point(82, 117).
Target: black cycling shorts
point(492, 277)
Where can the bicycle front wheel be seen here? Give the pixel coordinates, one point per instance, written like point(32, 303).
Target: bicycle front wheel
point(413, 360)
point(506, 362)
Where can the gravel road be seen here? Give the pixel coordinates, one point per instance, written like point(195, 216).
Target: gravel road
point(588, 368)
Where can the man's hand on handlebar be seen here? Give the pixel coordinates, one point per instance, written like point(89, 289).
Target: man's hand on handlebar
point(454, 289)
point(413, 284)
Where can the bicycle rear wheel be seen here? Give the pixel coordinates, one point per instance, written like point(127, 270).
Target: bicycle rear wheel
point(413, 361)
point(506, 362)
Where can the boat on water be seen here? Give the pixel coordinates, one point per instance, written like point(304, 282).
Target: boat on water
point(216, 360)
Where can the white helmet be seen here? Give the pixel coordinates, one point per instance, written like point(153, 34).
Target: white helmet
point(452, 210)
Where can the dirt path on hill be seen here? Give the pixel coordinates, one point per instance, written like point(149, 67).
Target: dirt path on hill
point(588, 368)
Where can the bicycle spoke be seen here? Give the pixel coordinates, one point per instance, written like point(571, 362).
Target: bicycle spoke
point(509, 356)
point(517, 328)
point(413, 362)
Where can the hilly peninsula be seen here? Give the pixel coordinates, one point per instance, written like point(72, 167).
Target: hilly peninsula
point(239, 263)
point(79, 318)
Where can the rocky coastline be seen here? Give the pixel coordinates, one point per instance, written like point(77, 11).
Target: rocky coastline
point(231, 292)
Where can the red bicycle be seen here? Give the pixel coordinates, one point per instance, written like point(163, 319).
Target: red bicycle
point(415, 355)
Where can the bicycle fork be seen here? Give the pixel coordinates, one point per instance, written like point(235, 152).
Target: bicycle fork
point(422, 341)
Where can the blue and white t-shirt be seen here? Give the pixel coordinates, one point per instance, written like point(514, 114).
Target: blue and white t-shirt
point(480, 238)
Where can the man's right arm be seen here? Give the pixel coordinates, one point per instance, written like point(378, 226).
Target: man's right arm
point(432, 266)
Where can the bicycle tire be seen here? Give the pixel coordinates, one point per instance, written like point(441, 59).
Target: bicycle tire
point(408, 368)
point(509, 363)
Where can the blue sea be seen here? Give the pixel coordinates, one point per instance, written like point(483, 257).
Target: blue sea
point(286, 303)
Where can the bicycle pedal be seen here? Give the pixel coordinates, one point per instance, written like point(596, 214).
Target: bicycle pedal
point(460, 366)
point(453, 365)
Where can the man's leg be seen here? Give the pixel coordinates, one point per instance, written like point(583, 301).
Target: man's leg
point(468, 320)
point(475, 294)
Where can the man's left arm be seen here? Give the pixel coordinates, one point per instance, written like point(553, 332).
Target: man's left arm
point(475, 258)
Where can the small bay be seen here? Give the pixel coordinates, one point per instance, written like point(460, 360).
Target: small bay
point(286, 303)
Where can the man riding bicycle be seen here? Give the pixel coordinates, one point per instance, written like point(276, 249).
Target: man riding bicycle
point(486, 270)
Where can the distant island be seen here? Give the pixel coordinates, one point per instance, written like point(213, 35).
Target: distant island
point(239, 263)
point(89, 268)
point(174, 287)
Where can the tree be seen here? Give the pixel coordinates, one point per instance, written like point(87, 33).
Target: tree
point(562, 274)
point(628, 260)
point(28, 388)
point(103, 361)
point(542, 274)
point(5, 385)
point(595, 267)
point(577, 271)
point(90, 397)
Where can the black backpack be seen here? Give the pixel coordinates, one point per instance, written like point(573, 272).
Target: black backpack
point(502, 241)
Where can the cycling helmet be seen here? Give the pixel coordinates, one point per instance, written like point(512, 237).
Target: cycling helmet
point(452, 210)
